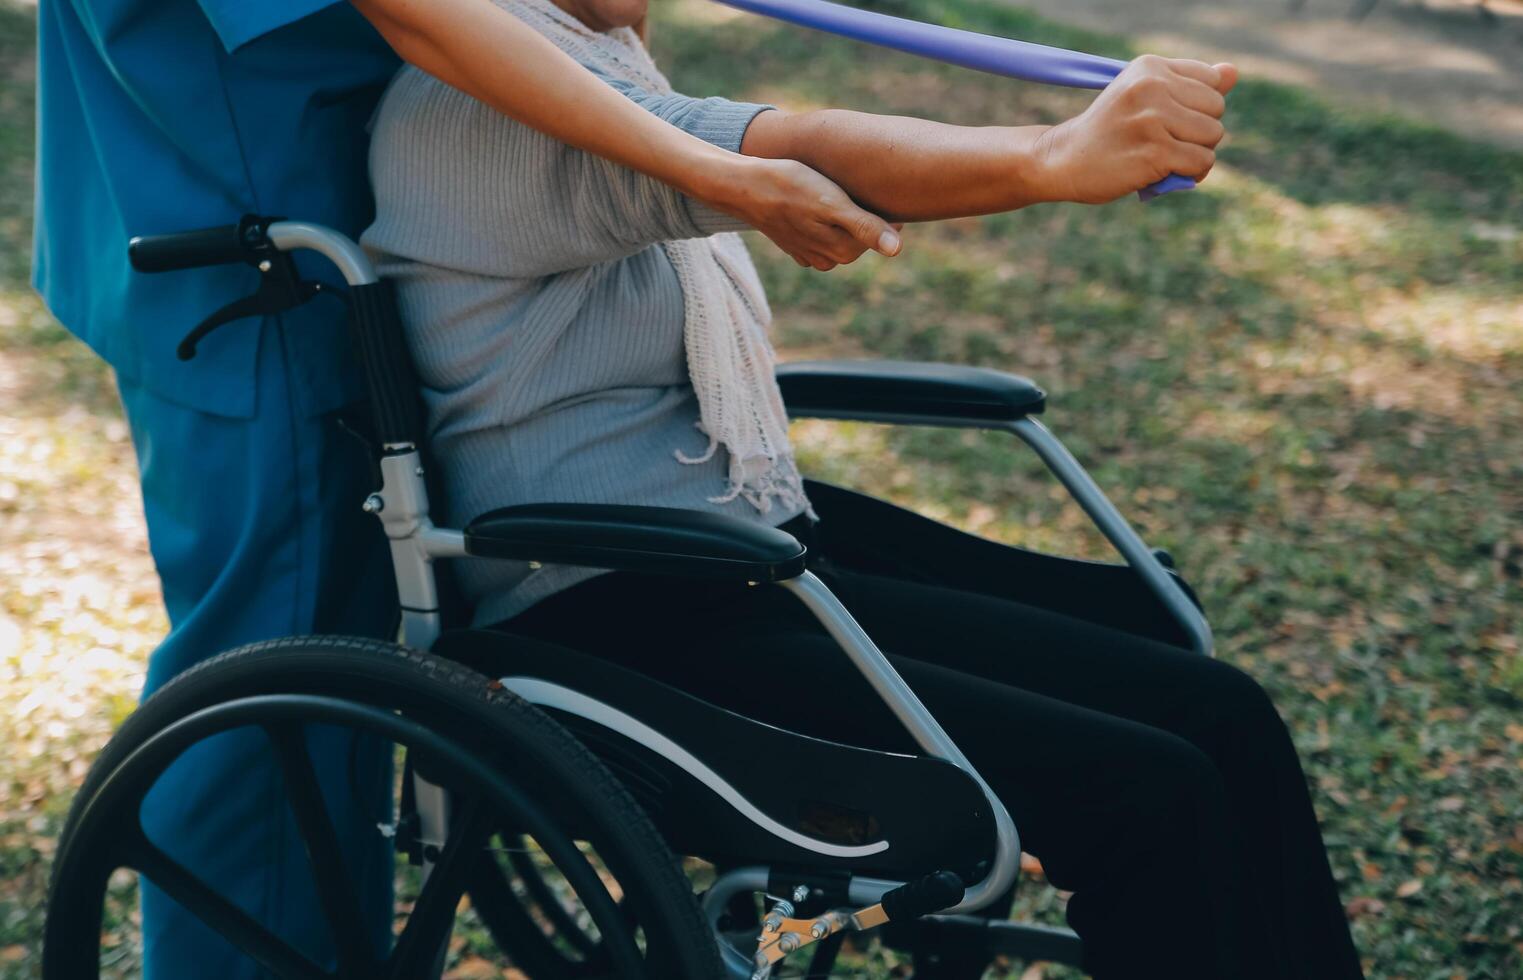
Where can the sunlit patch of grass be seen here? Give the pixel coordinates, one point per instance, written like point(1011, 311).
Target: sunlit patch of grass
point(79, 604)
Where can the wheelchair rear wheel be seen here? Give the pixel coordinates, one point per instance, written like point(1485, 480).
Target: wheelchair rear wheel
point(579, 851)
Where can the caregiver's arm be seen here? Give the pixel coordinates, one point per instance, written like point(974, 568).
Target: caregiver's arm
point(1159, 117)
point(488, 53)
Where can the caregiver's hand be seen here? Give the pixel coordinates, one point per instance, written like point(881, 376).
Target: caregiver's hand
point(488, 53)
point(805, 213)
point(1160, 116)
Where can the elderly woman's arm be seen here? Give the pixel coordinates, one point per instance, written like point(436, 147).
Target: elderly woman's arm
point(485, 51)
point(1159, 117)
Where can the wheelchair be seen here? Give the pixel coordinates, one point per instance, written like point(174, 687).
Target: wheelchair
point(556, 796)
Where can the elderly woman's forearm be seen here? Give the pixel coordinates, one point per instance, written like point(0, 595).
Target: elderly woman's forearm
point(909, 169)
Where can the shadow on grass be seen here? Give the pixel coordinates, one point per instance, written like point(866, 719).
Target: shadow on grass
point(1318, 154)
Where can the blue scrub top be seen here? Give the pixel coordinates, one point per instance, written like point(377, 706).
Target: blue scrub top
point(166, 115)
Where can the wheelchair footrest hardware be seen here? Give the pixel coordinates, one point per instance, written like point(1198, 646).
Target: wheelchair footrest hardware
point(782, 934)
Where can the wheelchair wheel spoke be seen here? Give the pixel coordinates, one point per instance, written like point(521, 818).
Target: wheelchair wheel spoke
point(335, 891)
point(564, 924)
point(512, 927)
point(618, 949)
point(218, 913)
point(517, 772)
point(433, 914)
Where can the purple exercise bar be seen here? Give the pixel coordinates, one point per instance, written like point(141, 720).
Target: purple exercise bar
point(981, 52)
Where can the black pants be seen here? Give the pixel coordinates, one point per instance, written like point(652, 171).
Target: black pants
point(1157, 785)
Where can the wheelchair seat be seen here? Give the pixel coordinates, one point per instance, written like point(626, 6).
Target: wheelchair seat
point(735, 790)
point(731, 789)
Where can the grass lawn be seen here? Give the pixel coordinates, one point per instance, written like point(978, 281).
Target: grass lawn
point(1305, 380)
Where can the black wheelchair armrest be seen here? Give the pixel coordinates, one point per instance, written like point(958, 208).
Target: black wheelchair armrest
point(665, 540)
point(900, 391)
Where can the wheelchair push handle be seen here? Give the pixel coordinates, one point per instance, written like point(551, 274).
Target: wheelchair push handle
point(265, 244)
point(257, 241)
point(223, 245)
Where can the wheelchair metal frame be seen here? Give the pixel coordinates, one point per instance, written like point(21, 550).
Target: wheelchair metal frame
point(402, 506)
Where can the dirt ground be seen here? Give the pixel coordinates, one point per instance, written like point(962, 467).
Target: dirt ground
point(1437, 60)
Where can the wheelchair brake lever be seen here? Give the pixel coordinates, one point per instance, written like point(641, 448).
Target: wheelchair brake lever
point(280, 287)
point(782, 934)
point(272, 298)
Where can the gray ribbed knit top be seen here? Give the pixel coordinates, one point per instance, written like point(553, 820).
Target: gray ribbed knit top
point(545, 321)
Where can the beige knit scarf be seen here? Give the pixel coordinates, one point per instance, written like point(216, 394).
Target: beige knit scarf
point(729, 359)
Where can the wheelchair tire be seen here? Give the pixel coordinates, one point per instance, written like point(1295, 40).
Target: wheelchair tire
point(511, 764)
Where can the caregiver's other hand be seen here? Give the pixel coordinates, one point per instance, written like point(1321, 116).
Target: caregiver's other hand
point(803, 212)
point(1160, 116)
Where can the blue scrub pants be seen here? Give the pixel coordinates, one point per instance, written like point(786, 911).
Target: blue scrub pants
point(256, 529)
